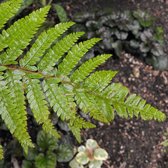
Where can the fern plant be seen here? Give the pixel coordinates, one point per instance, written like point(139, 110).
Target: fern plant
point(44, 72)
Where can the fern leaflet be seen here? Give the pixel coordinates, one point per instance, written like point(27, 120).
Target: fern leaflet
point(75, 54)
point(8, 9)
point(1, 152)
point(59, 49)
point(25, 28)
point(86, 68)
point(43, 42)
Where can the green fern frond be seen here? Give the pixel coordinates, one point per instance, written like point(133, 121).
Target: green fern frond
point(130, 105)
point(19, 112)
point(1, 152)
point(18, 36)
point(75, 54)
point(61, 99)
point(42, 43)
point(59, 49)
point(13, 116)
point(86, 68)
point(49, 76)
point(8, 9)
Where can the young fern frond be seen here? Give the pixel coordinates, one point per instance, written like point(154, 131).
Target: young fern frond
point(49, 76)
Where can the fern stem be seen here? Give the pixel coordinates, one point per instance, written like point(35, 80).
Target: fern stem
point(114, 101)
point(44, 76)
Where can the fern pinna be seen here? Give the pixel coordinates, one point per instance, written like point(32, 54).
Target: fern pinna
point(44, 72)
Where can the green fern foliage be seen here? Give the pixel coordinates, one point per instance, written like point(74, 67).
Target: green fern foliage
point(57, 51)
point(44, 72)
point(1, 152)
point(42, 43)
point(8, 10)
point(11, 37)
point(131, 105)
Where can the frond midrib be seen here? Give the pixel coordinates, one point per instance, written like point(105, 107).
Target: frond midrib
point(116, 101)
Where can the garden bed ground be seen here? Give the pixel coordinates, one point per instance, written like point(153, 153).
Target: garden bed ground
point(133, 144)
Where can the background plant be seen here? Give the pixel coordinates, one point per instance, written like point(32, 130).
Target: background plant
point(43, 72)
point(91, 156)
point(60, 11)
point(134, 32)
point(47, 152)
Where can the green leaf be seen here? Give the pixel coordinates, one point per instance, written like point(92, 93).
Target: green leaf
point(62, 15)
point(1, 152)
point(128, 106)
point(27, 164)
point(6, 107)
point(82, 158)
point(75, 54)
point(39, 105)
point(64, 153)
point(99, 80)
point(90, 102)
point(63, 105)
point(75, 164)
point(159, 34)
point(95, 164)
point(19, 115)
point(20, 29)
point(8, 10)
point(3, 68)
point(43, 42)
point(100, 154)
point(46, 142)
point(86, 68)
point(91, 144)
point(57, 51)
